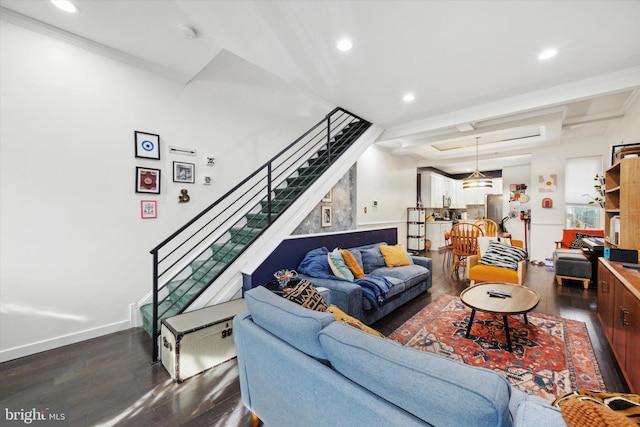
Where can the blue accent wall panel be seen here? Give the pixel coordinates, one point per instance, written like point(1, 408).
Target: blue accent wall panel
point(291, 252)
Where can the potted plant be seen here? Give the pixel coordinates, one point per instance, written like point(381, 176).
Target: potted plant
point(599, 187)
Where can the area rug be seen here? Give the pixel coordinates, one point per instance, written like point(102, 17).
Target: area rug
point(551, 356)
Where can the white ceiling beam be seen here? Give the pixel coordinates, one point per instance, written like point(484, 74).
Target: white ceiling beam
point(582, 89)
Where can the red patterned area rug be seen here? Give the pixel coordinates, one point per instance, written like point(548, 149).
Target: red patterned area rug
point(551, 356)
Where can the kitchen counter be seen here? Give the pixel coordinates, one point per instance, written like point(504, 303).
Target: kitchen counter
point(435, 232)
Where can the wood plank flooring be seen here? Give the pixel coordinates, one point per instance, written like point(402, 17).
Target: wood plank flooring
point(108, 381)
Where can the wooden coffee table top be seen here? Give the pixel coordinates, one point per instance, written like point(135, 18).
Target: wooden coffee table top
point(522, 299)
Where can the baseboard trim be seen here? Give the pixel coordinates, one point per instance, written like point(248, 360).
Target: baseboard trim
point(50, 344)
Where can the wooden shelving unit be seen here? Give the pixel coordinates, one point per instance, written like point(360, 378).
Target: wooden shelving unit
point(622, 198)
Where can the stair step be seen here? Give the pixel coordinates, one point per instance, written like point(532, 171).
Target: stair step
point(290, 191)
point(257, 220)
point(226, 252)
point(147, 314)
point(184, 290)
point(277, 207)
point(244, 235)
point(304, 178)
point(206, 271)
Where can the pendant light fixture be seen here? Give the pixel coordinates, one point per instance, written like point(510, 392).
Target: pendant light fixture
point(477, 179)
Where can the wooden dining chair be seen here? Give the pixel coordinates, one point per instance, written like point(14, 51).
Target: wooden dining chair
point(488, 226)
point(447, 259)
point(464, 239)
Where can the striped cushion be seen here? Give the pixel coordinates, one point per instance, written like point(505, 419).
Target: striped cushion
point(501, 255)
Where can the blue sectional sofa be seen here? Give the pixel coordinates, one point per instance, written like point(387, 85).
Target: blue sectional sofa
point(406, 281)
point(300, 367)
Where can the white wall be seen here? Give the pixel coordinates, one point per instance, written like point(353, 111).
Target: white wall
point(392, 182)
point(74, 251)
point(547, 223)
point(514, 175)
point(625, 132)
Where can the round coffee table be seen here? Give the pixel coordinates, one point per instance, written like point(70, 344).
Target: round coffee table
point(499, 298)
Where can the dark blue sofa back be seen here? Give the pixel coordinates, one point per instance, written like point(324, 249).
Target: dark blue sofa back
point(291, 251)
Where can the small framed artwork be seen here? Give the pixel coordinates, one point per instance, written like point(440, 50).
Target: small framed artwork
point(184, 172)
point(147, 145)
point(328, 197)
point(147, 180)
point(326, 216)
point(148, 209)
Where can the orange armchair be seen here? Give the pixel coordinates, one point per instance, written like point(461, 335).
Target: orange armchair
point(477, 272)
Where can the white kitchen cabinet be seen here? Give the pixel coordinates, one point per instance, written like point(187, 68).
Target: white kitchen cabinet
point(441, 187)
point(459, 199)
point(437, 190)
point(435, 233)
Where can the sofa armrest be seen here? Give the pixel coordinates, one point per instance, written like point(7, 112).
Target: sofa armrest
point(532, 414)
point(471, 261)
point(344, 294)
point(423, 261)
point(522, 271)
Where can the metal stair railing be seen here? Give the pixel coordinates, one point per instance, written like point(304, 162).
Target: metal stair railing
point(190, 259)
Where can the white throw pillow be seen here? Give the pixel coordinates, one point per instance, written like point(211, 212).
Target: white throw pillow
point(483, 242)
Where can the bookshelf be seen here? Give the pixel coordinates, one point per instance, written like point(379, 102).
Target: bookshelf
point(622, 200)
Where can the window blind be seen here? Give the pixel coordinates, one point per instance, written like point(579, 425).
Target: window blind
point(579, 180)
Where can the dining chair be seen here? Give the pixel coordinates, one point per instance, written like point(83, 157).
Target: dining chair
point(464, 239)
point(447, 259)
point(488, 226)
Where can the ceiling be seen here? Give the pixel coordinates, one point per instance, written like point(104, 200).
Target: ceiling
point(472, 65)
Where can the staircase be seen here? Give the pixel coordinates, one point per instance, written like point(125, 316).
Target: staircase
point(190, 260)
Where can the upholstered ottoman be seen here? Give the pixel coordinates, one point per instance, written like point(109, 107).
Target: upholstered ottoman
point(572, 264)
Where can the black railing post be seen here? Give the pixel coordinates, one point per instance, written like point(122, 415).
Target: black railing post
point(154, 328)
point(269, 193)
point(329, 139)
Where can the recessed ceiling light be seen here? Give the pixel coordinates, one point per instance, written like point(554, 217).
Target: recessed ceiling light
point(344, 45)
point(65, 5)
point(408, 97)
point(547, 53)
point(187, 31)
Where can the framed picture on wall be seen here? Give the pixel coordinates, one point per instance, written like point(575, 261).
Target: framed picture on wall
point(148, 209)
point(328, 198)
point(147, 145)
point(147, 180)
point(326, 216)
point(184, 172)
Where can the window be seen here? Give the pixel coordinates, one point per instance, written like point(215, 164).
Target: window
point(580, 174)
point(582, 216)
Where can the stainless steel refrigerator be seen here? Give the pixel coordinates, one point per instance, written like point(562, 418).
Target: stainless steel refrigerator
point(493, 207)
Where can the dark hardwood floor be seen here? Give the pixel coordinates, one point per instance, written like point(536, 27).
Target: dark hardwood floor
point(108, 381)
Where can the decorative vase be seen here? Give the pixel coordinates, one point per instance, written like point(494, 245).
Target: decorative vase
point(284, 276)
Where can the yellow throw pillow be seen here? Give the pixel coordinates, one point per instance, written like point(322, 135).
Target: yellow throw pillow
point(343, 317)
point(394, 256)
point(352, 264)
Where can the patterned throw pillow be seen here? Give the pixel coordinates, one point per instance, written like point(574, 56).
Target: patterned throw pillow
point(352, 264)
point(590, 408)
point(306, 295)
point(504, 256)
point(343, 317)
